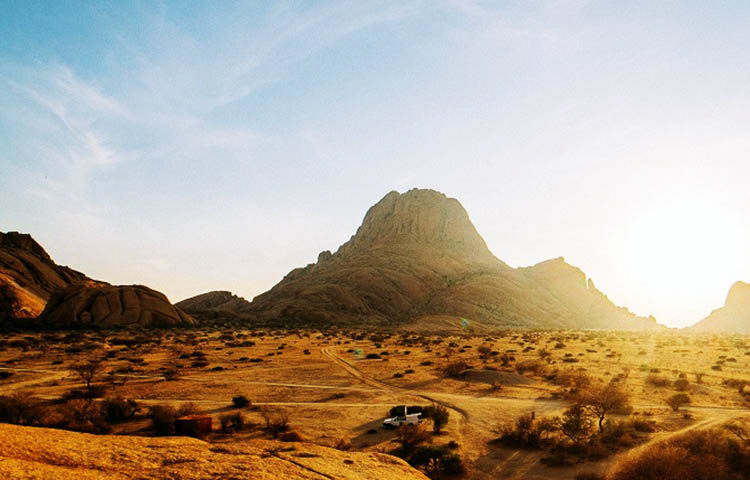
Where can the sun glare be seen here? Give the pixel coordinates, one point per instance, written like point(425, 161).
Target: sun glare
point(685, 249)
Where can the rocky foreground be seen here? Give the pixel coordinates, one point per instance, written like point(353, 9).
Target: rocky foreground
point(40, 453)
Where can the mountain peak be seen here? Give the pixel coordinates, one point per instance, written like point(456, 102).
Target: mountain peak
point(739, 294)
point(418, 217)
point(23, 241)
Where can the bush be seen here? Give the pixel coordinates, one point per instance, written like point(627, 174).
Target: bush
point(240, 401)
point(658, 381)
point(678, 400)
point(116, 409)
point(276, 422)
point(343, 443)
point(410, 437)
point(576, 424)
point(697, 455)
point(188, 408)
point(231, 422)
point(682, 384)
point(536, 367)
point(455, 369)
point(439, 415)
point(527, 432)
point(20, 409)
point(163, 418)
point(82, 416)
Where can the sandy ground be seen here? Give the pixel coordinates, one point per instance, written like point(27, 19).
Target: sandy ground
point(331, 390)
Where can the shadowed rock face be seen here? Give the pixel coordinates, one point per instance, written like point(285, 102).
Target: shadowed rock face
point(417, 260)
point(28, 276)
point(733, 317)
point(111, 307)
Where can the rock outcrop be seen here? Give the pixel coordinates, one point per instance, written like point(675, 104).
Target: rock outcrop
point(41, 453)
point(417, 260)
point(733, 317)
point(107, 306)
point(28, 276)
point(217, 300)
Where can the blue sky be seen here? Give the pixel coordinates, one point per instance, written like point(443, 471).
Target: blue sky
point(193, 146)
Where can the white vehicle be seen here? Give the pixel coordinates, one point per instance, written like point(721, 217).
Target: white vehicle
point(410, 419)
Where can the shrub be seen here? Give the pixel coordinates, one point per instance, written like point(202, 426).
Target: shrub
point(682, 384)
point(658, 381)
point(410, 437)
point(448, 464)
point(231, 422)
point(276, 422)
point(240, 401)
point(536, 367)
point(82, 416)
point(188, 408)
point(439, 415)
point(372, 356)
point(678, 400)
point(118, 409)
point(526, 431)
point(343, 443)
point(697, 455)
point(575, 424)
point(20, 409)
point(163, 418)
point(455, 369)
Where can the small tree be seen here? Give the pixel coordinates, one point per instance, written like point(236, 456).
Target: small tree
point(678, 400)
point(576, 424)
point(603, 399)
point(439, 415)
point(88, 371)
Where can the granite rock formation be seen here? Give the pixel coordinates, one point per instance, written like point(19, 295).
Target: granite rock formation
point(106, 306)
point(733, 317)
point(417, 260)
point(28, 276)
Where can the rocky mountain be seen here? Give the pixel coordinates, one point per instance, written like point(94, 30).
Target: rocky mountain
point(733, 317)
point(42, 453)
point(417, 260)
point(106, 306)
point(217, 300)
point(28, 276)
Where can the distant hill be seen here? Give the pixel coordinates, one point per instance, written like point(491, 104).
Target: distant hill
point(28, 276)
point(417, 260)
point(733, 317)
